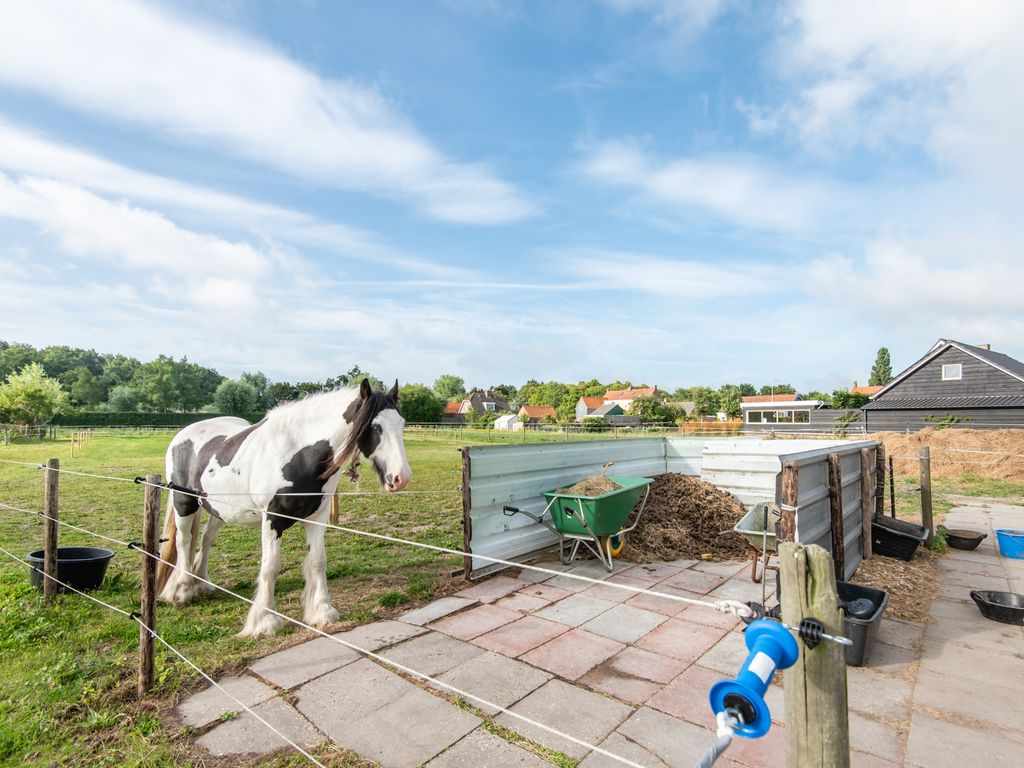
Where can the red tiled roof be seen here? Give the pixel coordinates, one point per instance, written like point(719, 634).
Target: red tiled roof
point(452, 407)
point(770, 398)
point(865, 390)
point(537, 411)
point(629, 394)
point(593, 402)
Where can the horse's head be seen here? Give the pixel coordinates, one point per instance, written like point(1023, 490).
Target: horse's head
point(375, 431)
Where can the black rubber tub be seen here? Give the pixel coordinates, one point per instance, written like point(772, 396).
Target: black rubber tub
point(896, 538)
point(80, 567)
point(1007, 607)
point(961, 538)
point(862, 616)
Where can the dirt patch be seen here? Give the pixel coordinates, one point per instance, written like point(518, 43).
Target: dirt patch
point(991, 453)
point(684, 519)
point(911, 586)
point(595, 485)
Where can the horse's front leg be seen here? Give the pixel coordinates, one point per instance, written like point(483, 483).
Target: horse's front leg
point(181, 586)
point(316, 601)
point(260, 620)
point(200, 564)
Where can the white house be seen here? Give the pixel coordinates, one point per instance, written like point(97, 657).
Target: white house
point(509, 422)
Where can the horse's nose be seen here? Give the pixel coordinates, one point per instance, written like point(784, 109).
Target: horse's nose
point(395, 482)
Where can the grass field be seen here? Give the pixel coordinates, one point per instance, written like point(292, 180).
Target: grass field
point(67, 673)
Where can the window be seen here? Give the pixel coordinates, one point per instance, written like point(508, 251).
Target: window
point(801, 417)
point(490, 407)
point(785, 417)
point(952, 372)
point(753, 417)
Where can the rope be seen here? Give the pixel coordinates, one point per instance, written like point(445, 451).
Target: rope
point(370, 654)
point(172, 649)
point(725, 735)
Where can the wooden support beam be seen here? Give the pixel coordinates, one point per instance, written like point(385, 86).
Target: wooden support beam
point(926, 493)
point(817, 721)
point(147, 611)
point(835, 503)
point(892, 489)
point(467, 520)
point(790, 497)
point(880, 480)
point(867, 501)
point(52, 528)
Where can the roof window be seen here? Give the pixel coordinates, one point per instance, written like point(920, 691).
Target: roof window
point(953, 372)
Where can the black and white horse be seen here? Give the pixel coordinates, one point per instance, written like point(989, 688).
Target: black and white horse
point(245, 469)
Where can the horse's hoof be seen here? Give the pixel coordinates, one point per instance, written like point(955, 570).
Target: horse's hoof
point(179, 594)
point(322, 615)
point(266, 625)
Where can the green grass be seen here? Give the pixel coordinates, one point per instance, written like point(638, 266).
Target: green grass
point(67, 672)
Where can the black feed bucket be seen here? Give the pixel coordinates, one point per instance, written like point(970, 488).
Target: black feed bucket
point(80, 567)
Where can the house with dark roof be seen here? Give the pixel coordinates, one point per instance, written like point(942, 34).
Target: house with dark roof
point(954, 384)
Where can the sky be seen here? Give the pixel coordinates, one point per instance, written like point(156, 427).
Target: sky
point(673, 192)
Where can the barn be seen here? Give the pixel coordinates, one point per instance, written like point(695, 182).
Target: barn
point(953, 385)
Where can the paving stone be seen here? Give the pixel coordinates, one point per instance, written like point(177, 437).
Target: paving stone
point(674, 742)
point(695, 581)
point(935, 743)
point(204, 707)
point(971, 581)
point(968, 696)
point(947, 566)
point(609, 592)
point(572, 654)
point(684, 563)
point(878, 695)
point(575, 610)
point(580, 713)
point(521, 636)
point(619, 745)
point(380, 634)
point(432, 653)
point(979, 633)
point(481, 749)
point(301, 663)
point(495, 678)
point(905, 634)
point(725, 568)
point(349, 694)
point(686, 696)
point(660, 571)
point(742, 589)
point(492, 589)
point(246, 735)
point(681, 639)
point(635, 576)
point(631, 689)
point(664, 605)
point(519, 601)
point(641, 663)
point(544, 592)
point(769, 751)
point(724, 655)
point(624, 623)
point(875, 738)
point(475, 621)
point(436, 610)
point(864, 760)
point(951, 609)
point(592, 569)
point(979, 665)
point(532, 576)
point(892, 660)
point(407, 732)
point(700, 614)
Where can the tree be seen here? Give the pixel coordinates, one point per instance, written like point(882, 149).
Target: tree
point(123, 399)
point(154, 381)
point(259, 382)
point(418, 403)
point(651, 410)
point(450, 387)
point(352, 378)
point(729, 399)
point(194, 384)
point(881, 371)
point(843, 399)
point(14, 357)
point(31, 397)
point(86, 388)
point(234, 398)
point(283, 392)
point(825, 396)
point(507, 391)
point(747, 390)
point(705, 401)
point(777, 389)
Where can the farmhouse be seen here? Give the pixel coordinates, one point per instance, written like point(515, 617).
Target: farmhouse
point(586, 406)
point(625, 397)
point(769, 410)
point(535, 414)
point(954, 384)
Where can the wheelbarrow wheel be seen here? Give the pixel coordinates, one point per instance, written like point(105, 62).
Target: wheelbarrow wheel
point(612, 545)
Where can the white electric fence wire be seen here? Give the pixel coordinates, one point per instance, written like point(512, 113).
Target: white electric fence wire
point(169, 647)
point(370, 654)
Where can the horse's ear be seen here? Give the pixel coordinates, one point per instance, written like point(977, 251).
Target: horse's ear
point(393, 392)
point(365, 390)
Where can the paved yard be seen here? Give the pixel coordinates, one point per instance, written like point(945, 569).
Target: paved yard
point(631, 673)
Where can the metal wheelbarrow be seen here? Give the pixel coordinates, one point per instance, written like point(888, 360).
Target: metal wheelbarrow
point(757, 529)
point(596, 522)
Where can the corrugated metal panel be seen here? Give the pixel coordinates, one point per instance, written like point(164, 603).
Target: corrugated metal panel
point(684, 455)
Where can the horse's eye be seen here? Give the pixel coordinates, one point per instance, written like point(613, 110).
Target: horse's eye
point(378, 429)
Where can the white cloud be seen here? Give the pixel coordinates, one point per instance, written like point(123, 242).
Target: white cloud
point(736, 189)
point(193, 81)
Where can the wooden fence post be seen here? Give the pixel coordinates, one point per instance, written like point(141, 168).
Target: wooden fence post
point(52, 527)
point(926, 494)
point(880, 480)
point(835, 503)
point(867, 506)
point(817, 721)
point(333, 517)
point(147, 611)
point(892, 489)
point(790, 494)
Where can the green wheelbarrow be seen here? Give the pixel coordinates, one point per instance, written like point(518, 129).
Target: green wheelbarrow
point(596, 522)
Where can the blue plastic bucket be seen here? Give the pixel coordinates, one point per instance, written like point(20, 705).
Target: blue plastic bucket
point(1011, 543)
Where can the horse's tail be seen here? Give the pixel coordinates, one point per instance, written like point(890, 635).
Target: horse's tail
point(169, 551)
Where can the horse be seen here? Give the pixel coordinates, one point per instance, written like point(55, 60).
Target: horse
point(241, 473)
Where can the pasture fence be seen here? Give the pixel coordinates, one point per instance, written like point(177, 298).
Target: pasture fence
point(146, 617)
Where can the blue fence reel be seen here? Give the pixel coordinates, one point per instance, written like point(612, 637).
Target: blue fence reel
point(771, 647)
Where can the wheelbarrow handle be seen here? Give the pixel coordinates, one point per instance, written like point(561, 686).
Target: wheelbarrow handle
point(510, 510)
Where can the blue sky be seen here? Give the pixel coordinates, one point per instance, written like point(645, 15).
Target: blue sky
point(678, 193)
